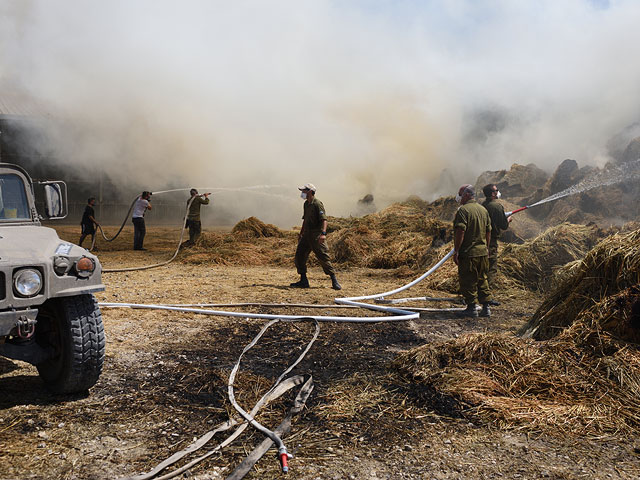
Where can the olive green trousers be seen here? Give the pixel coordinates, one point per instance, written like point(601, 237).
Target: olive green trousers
point(308, 243)
point(472, 273)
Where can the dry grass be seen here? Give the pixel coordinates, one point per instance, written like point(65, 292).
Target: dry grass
point(400, 235)
point(532, 264)
point(584, 379)
point(253, 227)
point(351, 397)
point(608, 269)
point(555, 386)
point(251, 242)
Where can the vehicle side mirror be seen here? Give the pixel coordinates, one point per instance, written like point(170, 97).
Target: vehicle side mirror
point(55, 200)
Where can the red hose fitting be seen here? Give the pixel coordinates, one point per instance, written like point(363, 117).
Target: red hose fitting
point(284, 459)
point(519, 210)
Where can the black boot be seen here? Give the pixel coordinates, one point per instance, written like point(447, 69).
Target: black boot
point(303, 283)
point(470, 311)
point(334, 282)
point(486, 311)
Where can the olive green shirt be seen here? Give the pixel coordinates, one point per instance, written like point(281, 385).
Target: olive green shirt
point(474, 219)
point(499, 221)
point(313, 215)
point(194, 208)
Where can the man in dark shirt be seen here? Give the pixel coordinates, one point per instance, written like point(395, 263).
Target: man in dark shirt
point(472, 234)
point(193, 217)
point(499, 223)
point(88, 222)
point(313, 236)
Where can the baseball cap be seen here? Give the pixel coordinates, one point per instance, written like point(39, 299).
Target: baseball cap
point(308, 186)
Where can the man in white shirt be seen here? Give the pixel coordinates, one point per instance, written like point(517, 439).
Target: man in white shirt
point(139, 230)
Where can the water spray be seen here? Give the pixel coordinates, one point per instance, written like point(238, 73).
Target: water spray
point(620, 173)
point(253, 189)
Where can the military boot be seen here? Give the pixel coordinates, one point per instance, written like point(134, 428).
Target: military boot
point(302, 283)
point(334, 283)
point(486, 311)
point(469, 312)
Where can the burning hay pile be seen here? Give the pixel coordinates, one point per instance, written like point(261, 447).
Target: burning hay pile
point(584, 378)
point(553, 386)
point(400, 235)
point(532, 264)
point(602, 291)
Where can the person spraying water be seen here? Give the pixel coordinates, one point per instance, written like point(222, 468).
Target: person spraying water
point(193, 217)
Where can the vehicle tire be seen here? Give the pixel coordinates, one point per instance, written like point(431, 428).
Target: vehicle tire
point(72, 328)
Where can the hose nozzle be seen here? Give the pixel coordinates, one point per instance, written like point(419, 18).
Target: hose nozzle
point(508, 214)
point(284, 458)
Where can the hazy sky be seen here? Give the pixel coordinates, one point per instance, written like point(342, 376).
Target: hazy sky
point(355, 96)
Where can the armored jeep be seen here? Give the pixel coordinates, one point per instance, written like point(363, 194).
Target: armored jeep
point(48, 314)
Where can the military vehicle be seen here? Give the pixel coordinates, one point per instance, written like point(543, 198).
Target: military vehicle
point(48, 314)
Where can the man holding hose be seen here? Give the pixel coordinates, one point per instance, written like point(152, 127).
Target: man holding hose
point(141, 205)
point(193, 217)
point(499, 222)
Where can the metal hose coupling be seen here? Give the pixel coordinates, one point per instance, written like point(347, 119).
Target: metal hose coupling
point(284, 458)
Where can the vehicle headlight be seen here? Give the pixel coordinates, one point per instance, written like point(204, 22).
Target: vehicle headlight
point(61, 265)
point(27, 282)
point(85, 267)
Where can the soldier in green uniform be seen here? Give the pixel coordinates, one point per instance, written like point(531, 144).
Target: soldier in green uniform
point(499, 223)
point(313, 236)
point(472, 234)
point(193, 216)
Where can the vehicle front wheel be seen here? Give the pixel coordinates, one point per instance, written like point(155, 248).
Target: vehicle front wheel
point(72, 328)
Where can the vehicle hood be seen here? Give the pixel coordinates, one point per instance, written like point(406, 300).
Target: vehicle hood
point(33, 243)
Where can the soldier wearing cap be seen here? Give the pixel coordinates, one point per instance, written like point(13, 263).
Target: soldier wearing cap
point(313, 237)
point(472, 234)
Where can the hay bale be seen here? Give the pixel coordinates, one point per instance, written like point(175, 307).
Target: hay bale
point(531, 265)
point(608, 269)
point(209, 241)
point(516, 181)
point(444, 208)
point(446, 277)
point(553, 386)
point(254, 227)
point(352, 245)
point(338, 223)
point(400, 235)
point(406, 248)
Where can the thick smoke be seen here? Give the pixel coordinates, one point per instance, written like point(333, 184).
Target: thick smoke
point(370, 97)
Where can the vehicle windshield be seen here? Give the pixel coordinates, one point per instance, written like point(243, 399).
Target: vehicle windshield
point(13, 198)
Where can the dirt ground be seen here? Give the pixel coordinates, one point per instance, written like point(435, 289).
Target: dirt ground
point(165, 383)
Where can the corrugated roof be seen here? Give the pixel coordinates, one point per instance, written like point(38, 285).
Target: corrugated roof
point(20, 105)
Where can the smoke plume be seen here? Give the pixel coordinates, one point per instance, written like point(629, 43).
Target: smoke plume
point(363, 97)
